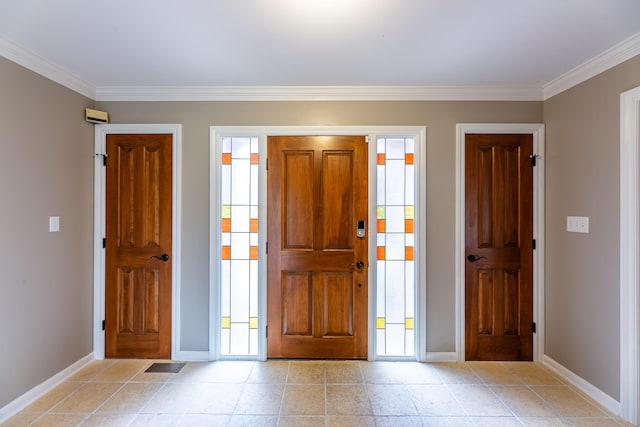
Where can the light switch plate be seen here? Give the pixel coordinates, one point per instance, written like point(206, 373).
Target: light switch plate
point(578, 224)
point(54, 224)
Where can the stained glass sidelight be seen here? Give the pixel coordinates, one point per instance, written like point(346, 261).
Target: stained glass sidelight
point(395, 205)
point(239, 246)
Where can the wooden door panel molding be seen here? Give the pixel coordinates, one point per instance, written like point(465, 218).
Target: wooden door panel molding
point(317, 300)
point(499, 230)
point(138, 289)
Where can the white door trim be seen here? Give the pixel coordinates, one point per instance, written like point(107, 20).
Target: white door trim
point(629, 252)
point(419, 132)
point(537, 130)
point(100, 138)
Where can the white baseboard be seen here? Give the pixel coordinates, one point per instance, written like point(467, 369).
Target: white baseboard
point(441, 356)
point(583, 385)
point(193, 356)
point(40, 390)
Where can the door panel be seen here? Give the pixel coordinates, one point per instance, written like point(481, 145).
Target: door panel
point(317, 297)
point(499, 232)
point(138, 228)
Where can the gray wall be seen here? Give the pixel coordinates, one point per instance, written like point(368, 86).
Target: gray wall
point(440, 119)
point(46, 169)
point(582, 270)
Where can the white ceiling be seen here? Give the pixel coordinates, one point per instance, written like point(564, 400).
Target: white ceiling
point(221, 43)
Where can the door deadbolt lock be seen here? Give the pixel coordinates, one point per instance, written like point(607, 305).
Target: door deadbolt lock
point(361, 228)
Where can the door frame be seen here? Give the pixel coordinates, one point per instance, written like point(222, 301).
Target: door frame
point(629, 252)
point(537, 130)
point(99, 227)
point(262, 132)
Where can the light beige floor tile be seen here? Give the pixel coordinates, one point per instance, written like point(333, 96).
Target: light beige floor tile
point(87, 398)
point(523, 402)
point(122, 370)
point(301, 421)
point(204, 420)
point(420, 373)
point(494, 373)
point(456, 373)
point(272, 371)
point(383, 373)
point(260, 399)
point(532, 373)
point(391, 399)
point(343, 373)
point(303, 400)
point(398, 421)
point(435, 400)
point(172, 399)
point(216, 372)
point(214, 398)
point(496, 422)
point(91, 370)
point(479, 400)
point(306, 372)
point(594, 422)
point(253, 421)
point(108, 420)
point(21, 420)
point(567, 402)
point(54, 397)
point(545, 422)
point(59, 420)
point(347, 400)
point(446, 422)
point(156, 420)
point(131, 398)
point(359, 421)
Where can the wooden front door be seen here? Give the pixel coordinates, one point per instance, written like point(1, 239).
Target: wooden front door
point(499, 247)
point(317, 264)
point(138, 246)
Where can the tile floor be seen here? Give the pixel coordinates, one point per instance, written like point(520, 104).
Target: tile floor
point(315, 393)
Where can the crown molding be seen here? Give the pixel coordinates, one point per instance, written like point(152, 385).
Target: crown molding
point(40, 65)
point(319, 93)
point(596, 65)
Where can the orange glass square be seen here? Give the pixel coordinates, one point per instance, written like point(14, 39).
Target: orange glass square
point(226, 225)
point(381, 159)
point(408, 226)
point(226, 252)
point(382, 226)
point(408, 158)
point(381, 253)
point(254, 158)
point(253, 225)
point(253, 252)
point(408, 253)
point(226, 158)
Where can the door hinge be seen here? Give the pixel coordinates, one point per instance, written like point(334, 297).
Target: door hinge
point(366, 139)
point(534, 244)
point(534, 158)
point(103, 325)
point(267, 163)
point(104, 158)
point(266, 328)
point(104, 242)
point(266, 248)
point(533, 327)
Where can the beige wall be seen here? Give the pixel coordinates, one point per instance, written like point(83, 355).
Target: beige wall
point(440, 119)
point(46, 169)
point(582, 270)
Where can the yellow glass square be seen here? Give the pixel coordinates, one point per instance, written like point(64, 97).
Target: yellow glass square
point(226, 211)
point(226, 322)
point(381, 212)
point(381, 323)
point(408, 323)
point(408, 212)
point(253, 323)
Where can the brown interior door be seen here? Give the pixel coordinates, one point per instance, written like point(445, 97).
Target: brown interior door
point(499, 247)
point(317, 265)
point(138, 246)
